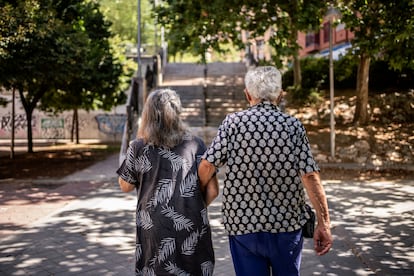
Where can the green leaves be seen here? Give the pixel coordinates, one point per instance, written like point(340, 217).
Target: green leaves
point(198, 25)
point(58, 53)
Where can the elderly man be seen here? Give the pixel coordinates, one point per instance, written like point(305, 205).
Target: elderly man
point(269, 168)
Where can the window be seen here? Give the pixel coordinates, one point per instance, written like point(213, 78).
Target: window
point(310, 39)
point(340, 27)
point(326, 32)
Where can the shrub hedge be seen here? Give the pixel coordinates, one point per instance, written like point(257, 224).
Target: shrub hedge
point(315, 77)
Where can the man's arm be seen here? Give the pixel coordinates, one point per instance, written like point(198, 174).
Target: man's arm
point(322, 237)
point(208, 181)
point(125, 186)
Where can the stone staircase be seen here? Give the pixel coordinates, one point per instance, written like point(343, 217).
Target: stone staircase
point(208, 92)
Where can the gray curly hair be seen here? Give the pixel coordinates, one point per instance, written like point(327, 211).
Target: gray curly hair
point(161, 124)
point(264, 83)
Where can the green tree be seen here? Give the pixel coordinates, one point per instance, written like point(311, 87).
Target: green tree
point(199, 25)
point(124, 18)
point(31, 52)
point(383, 30)
point(285, 19)
point(57, 53)
point(94, 77)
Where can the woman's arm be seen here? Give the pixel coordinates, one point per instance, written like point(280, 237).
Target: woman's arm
point(208, 181)
point(125, 186)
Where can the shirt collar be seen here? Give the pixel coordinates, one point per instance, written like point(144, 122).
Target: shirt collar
point(266, 104)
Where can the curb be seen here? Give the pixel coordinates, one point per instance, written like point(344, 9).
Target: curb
point(367, 167)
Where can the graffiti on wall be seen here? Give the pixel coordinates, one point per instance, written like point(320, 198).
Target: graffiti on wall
point(20, 122)
point(111, 123)
point(83, 123)
point(104, 126)
point(52, 128)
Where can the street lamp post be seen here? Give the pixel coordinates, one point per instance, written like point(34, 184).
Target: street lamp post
point(136, 96)
point(140, 96)
point(331, 89)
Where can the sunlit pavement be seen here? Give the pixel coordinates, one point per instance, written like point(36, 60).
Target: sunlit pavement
point(95, 234)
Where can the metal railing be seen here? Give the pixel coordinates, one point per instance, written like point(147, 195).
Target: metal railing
point(136, 96)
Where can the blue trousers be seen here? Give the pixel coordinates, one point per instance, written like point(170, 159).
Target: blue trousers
point(263, 254)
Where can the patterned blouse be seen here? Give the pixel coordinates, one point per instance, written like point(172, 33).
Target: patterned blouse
point(173, 232)
point(265, 151)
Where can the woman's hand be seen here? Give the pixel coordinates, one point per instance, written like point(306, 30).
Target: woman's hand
point(125, 186)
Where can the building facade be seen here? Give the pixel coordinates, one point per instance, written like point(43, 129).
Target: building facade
point(317, 43)
point(311, 43)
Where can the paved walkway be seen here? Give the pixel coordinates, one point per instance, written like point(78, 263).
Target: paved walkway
point(95, 233)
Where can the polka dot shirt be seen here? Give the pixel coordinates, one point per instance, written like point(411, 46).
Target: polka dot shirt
point(265, 152)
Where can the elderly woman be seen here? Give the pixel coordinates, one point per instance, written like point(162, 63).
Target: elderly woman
point(172, 228)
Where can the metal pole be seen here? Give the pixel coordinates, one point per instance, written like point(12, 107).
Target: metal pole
point(331, 87)
point(164, 47)
point(155, 30)
point(140, 96)
point(139, 39)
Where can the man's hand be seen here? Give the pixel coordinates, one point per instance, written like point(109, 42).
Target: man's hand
point(322, 239)
point(208, 181)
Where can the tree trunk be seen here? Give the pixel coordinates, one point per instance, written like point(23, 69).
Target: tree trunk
point(297, 74)
point(72, 129)
point(29, 131)
point(28, 108)
point(76, 125)
point(29, 105)
point(13, 123)
point(361, 116)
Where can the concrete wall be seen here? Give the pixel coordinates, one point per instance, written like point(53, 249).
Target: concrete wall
point(101, 125)
point(98, 125)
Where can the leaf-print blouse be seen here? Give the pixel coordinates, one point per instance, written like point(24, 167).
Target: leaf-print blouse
point(173, 232)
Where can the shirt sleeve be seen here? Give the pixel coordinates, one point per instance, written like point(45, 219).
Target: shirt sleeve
point(201, 149)
point(127, 169)
point(305, 161)
point(217, 152)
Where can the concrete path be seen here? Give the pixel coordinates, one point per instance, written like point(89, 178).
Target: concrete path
point(95, 233)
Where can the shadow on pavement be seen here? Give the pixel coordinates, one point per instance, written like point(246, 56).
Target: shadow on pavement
point(93, 235)
point(374, 220)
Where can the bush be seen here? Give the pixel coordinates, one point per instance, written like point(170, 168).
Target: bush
point(315, 77)
point(345, 72)
point(382, 77)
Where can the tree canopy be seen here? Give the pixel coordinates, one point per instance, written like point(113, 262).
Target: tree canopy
point(124, 18)
point(57, 53)
point(383, 29)
point(198, 25)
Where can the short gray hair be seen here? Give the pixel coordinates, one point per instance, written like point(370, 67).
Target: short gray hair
point(264, 83)
point(161, 124)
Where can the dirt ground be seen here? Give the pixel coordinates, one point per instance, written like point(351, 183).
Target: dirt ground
point(387, 139)
point(57, 161)
point(52, 160)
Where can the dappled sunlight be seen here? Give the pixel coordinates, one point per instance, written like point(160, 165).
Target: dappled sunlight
point(376, 219)
point(74, 241)
point(95, 232)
